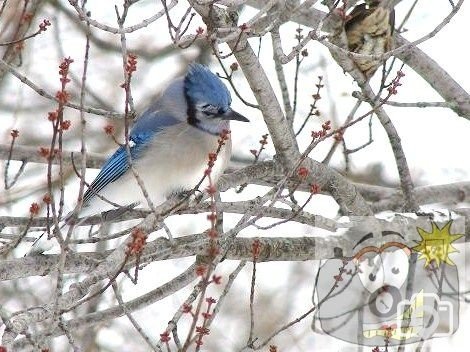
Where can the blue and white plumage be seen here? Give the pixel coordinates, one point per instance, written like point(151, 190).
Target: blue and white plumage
point(169, 144)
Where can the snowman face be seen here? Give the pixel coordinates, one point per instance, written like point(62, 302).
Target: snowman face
point(378, 269)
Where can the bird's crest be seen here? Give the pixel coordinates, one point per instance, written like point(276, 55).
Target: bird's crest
point(204, 87)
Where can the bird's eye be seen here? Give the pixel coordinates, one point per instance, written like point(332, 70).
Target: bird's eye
point(210, 110)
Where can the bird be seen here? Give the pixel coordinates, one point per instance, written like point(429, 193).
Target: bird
point(369, 30)
point(168, 144)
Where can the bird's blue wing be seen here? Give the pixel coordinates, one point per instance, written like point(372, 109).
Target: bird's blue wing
point(144, 130)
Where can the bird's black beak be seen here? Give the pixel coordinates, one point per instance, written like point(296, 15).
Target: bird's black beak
point(233, 115)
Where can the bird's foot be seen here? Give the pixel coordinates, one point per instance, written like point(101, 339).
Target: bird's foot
point(188, 197)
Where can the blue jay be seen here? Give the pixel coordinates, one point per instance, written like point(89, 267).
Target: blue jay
point(169, 144)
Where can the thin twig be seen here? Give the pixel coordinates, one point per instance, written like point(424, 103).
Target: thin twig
point(8, 185)
point(134, 322)
point(49, 96)
point(84, 16)
point(255, 251)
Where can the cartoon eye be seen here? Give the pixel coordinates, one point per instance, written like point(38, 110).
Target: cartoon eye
point(370, 272)
point(396, 266)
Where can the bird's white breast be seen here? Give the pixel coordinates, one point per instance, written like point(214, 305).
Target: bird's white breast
point(174, 161)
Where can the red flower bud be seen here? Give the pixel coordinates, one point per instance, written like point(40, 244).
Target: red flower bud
point(34, 209)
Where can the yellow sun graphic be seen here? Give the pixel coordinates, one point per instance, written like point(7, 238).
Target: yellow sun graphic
point(437, 244)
